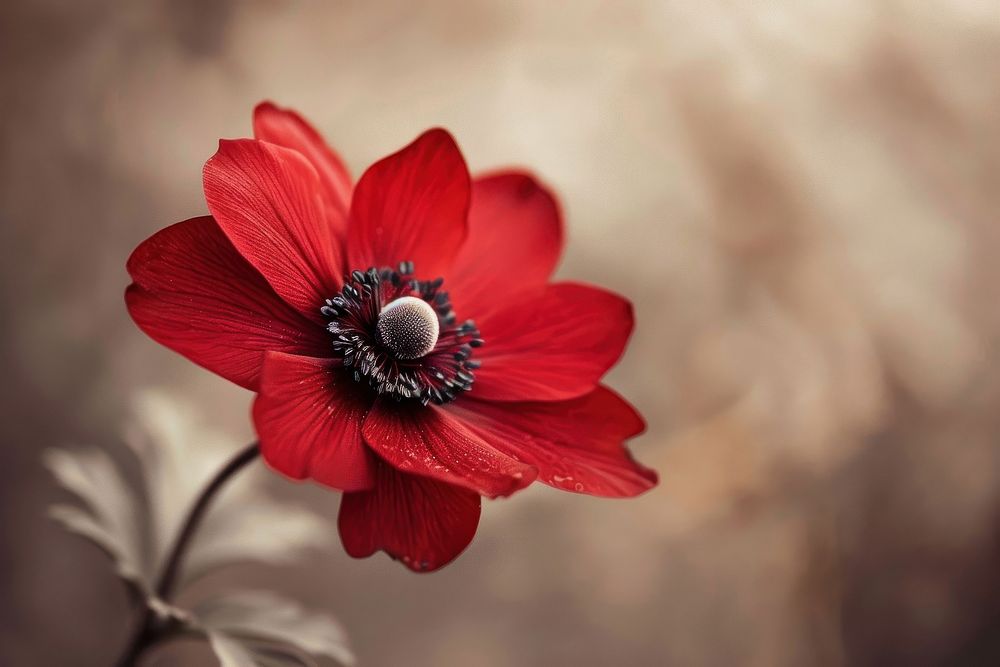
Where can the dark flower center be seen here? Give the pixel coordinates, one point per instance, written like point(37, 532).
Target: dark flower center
point(400, 336)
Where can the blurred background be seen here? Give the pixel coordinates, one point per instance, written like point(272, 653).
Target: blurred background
point(800, 196)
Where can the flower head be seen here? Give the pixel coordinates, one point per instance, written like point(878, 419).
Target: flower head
point(401, 333)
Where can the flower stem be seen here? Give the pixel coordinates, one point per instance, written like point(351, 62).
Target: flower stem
point(168, 580)
point(147, 632)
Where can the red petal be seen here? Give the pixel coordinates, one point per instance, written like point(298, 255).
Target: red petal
point(427, 441)
point(411, 206)
point(420, 521)
point(515, 238)
point(194, 293)
point(308, 417)
point(577, 445)
point(265, 199)
point(287, 128)
point(551, 345)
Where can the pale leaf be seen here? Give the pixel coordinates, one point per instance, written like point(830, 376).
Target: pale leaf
point(269, 630)
point(179, 455)
point(254, 528)
point(111, 518)
point(236, 653)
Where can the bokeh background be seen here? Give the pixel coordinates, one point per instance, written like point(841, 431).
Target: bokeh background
point(800, 196)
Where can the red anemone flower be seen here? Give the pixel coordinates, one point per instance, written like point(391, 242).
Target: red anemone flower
point(401, 334)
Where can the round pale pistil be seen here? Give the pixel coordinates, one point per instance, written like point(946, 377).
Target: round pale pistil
point(409, 327)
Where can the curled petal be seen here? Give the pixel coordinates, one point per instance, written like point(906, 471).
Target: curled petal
point(194, 293)
point(420, 521)
point(308, 417)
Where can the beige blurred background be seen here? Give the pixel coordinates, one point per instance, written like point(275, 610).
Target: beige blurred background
point(800, 196)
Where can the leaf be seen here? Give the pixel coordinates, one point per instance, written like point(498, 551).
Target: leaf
point(109, 520)
point(263, 629)
point(235, 653)
point(234, 534)
point(179, 455)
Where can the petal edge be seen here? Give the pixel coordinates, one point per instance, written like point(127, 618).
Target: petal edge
point(514, 242)
point(428, 441)
point(286, 127)
point(308, 417)
point(552, 344)
point(195, 294)
point(577, 445)
point(423, 523)
point(411, 206)
point(265, 198)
